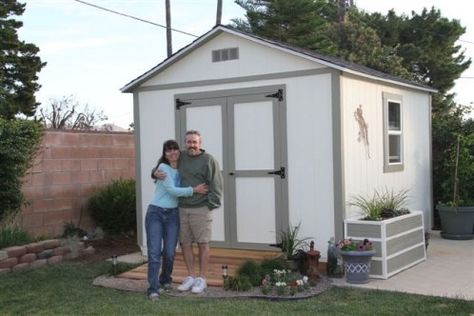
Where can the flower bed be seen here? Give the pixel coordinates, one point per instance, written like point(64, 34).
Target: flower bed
point(284, 282)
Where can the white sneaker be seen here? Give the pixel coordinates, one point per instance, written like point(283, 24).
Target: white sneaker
point(187, 284)
point(199, 286)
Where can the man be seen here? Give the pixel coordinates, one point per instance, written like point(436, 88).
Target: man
point(195, 167)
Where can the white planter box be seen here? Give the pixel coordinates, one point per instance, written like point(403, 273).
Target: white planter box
point(399, 242)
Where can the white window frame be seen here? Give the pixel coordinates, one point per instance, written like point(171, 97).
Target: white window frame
point(387, 165)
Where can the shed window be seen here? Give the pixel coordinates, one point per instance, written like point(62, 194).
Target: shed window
point(225, 54)
point(393, 132)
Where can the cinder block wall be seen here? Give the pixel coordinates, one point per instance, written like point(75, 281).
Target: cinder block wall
point(70, 166)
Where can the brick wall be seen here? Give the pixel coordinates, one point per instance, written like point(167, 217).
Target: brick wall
point(70, 166)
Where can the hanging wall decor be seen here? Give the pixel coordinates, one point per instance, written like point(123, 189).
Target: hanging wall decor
point(363, 129)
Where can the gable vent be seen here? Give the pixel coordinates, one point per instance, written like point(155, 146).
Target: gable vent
point(225, 54)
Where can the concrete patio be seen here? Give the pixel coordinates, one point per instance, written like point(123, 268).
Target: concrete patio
point(448, 271)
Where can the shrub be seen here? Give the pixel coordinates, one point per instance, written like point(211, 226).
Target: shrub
point(251, 270)
point(71, 230)
point(267, 266)
point(113, 207)
point(239, 283)
point(19, 142)
point(13, 236)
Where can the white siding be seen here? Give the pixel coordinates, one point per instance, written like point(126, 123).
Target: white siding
point(309, 133)
point(363, 174)
point(254, 59)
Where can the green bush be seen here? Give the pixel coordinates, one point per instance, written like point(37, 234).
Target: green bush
point(13, 236)
point(19, 142)
point(71, 230)
point(238, 283)
point(267, 266)
point(251, 269)
point(113, 207)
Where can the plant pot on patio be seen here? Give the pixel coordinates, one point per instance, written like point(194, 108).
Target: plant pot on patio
point(357, 265)
point(457, 223)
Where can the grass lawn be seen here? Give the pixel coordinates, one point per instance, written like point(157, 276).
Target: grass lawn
point(67, 289)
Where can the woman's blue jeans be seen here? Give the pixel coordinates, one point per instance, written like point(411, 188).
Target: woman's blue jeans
point(162, 228)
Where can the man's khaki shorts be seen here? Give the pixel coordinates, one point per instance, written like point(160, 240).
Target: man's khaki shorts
point(195, 225)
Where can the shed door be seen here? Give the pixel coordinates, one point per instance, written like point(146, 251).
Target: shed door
point(245, 134)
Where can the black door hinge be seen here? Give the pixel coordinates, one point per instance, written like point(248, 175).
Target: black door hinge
point(280, 172)
point(180, 103)
point(278, 95)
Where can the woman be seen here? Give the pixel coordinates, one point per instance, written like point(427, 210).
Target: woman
point(162, 219)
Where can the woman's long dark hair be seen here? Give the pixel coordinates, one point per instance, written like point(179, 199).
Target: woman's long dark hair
point(169, 144)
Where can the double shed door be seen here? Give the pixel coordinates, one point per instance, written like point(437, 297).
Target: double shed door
point(245, 130)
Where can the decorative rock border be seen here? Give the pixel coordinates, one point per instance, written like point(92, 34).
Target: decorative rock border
point(124, 284)
point(39, 254)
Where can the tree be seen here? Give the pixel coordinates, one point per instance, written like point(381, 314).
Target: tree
point(19, 65)
point(19, 143)
point(427, 44)
point(298, 22)
point(68, 113)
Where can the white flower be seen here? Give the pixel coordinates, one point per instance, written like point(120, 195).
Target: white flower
point(305, 279)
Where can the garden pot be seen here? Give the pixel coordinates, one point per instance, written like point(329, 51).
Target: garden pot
point(357, 265)
point(292, 264)
point(456, 222)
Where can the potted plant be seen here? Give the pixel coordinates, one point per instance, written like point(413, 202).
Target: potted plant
point(397, 234)
point(457, 211)
point(357, 258)
point(292, 247)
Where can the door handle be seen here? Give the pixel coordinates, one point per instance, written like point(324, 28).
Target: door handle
point(280, 172)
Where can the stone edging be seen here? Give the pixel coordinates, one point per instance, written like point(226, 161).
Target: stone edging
point(211, 292)
point(39, 254)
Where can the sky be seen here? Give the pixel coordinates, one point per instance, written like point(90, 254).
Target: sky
point(91, 53)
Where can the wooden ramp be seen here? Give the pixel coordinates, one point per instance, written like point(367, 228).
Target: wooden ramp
point(232, 258)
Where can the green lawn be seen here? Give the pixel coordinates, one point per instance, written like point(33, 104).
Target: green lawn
point(67, 289)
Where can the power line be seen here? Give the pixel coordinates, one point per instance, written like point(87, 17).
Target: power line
point(132, 17)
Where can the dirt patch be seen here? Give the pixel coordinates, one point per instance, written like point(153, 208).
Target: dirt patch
point(110, 246)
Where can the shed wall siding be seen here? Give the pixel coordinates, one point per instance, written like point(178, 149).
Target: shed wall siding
point(254, 59)
point(363, 174)
point(310, 158)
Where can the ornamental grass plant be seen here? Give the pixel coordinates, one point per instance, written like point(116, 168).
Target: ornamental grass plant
point(381, 205)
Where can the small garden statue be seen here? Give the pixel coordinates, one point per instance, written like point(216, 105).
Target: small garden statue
point(312, 264)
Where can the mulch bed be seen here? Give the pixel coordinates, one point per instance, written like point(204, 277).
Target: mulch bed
point(110, 246)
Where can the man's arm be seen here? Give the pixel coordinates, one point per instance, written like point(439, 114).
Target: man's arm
point(157, 174)
point(215, 182)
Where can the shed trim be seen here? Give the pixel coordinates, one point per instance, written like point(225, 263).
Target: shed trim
point(138, 168)
point(268, 76)
point(338, 156)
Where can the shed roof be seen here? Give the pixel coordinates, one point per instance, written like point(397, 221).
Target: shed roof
point(331, 62)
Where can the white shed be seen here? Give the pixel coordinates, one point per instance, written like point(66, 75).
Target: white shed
point(297, 134)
